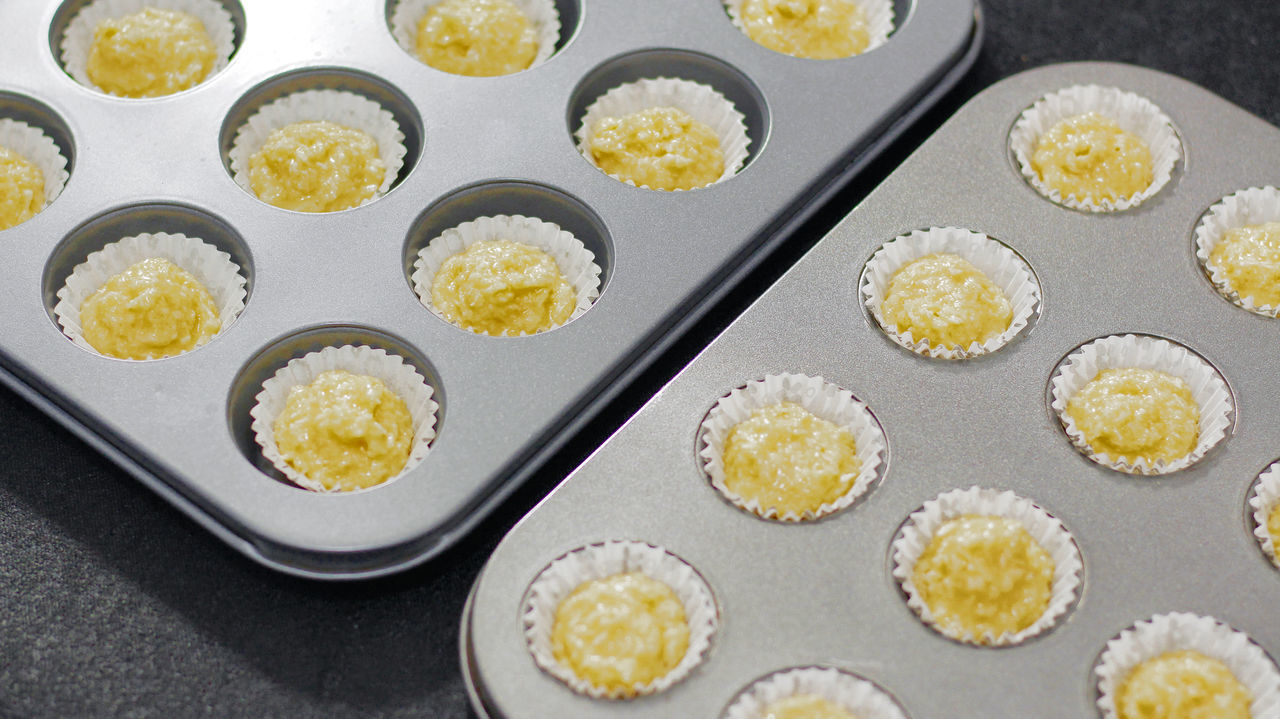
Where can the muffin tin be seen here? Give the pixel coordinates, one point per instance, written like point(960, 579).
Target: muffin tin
point(475, 146)
point(823, 592)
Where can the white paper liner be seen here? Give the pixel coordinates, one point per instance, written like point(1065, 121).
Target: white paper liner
point(702, 102)
point(1254, 206)
point(1208, 388)
point(1131, 112)
point(77, 39)
point(879, 14)
point(1047, 531)
point(822, 399)
point(859, 696)
point(542, 15)
point(38, 149)
point(337, 106)
point(1000, 264)
point(211, 266)
point(1177, 631)
point(575, 261)
point(1266, 495)
point(399, 376)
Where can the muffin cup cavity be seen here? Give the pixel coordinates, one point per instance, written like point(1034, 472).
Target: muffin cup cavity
point(399, 376)
point(575, 261)
point(542, 15)
point(77, 40)
point(337, 106)
point(1208, 388)
point(845, 689)
point(211, 266)
point(1254, 206)
point(880, 20)
point(597, 561)
point(822, 399)
point(1176, 631)
point(38, 149)
point(1004, 267)
point(1131, 112)
point(1046, 530)
point(1266, 495)
point(702, 102)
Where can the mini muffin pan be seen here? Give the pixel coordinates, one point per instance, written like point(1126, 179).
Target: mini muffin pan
point(474, 147)
point(823, 592)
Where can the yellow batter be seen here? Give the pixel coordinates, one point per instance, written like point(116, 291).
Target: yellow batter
point(316, 167)
point(818, 29)
point(945, 299)
point(153, 309)
point(150, 53)
point(1250, 258)
point(983, 574)
point(500, 287)
point(1182, 685)
point(480, 38)
point(345, 431)
point(621, 631)
point(662, 148)
point(1131, 413)
point(1273, 527)
point(1091, 157)
point(806, 706)
point(21, 189)
point(787, 459)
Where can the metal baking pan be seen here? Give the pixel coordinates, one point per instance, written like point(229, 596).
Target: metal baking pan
point(475, 146)
point(822, 592)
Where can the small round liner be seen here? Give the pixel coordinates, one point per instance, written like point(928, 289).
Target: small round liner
point(1131, 112)
point(337, 106)
point(1001, 265)
point(1208, 388)
point(1046, 530)
point(542, 14)
point(1176, 631)
point(399, 376)
point(211, 266)
point(702, 102)
point(879, 22)
point(38, 149)
point(575, 261)
point(1266, 495)
point(1254, 206)
point(77, 39)
point(596, 561)
point(821, 398)
point(860, 696)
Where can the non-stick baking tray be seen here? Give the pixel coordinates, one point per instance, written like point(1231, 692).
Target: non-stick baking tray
point(822, 592)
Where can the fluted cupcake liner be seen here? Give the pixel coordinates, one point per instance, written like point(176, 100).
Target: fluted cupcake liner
point(1266, 496)
point(1254, 206)
point(542, 15)
point(879, 14)
point(845, 689)
point(38, 149)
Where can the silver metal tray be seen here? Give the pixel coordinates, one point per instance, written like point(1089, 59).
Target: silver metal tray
point(476, 146)
point(822, 592)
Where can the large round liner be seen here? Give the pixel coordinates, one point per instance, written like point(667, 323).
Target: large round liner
point(879, 14)
point(38, 149)
point(1266, 495)
point(1254, 206)
point(542, 14)
point(860, 696)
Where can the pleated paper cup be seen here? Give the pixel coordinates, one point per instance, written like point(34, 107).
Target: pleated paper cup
point(822, 399)
point(399, 376)
point(575, 261)
point(542, 15)
point(336, 106)
point(1133, 113)
point(77, 39)
point(212, 267)
point(1004, 267)
point(1254, 206)
point(1208, 388)
point(1266, 496)
point(1179, 631)
point(861, 697)
point(702, 102)
point(879, 14)
point(597, 561)
point(1046, 530)
point(38, 149)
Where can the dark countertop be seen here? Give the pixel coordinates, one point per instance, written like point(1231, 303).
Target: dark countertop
point(112, 603)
